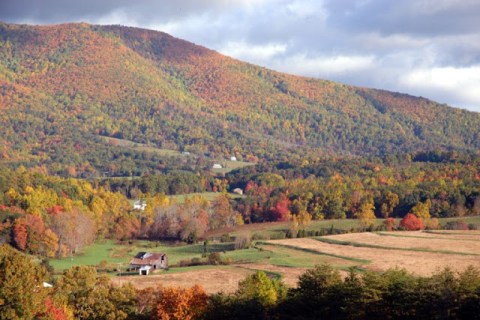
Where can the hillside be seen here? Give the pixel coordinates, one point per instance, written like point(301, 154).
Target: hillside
point(62, 87)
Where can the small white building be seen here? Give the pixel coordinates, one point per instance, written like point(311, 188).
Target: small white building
point(144, 271)
point(140, 204)
point(238, 191)
point(233, 158)
point(217, 166)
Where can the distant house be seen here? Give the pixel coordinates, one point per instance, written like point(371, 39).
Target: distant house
point(185, 153)
point(238, 191)
point(233, 158)
point(145, 261)
point(140, 204)
point(217, 166)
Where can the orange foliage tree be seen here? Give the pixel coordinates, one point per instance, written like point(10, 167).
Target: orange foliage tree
point(181, 304)
point(411, 222)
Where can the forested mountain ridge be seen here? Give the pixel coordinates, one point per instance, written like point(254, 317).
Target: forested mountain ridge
point(64, 86)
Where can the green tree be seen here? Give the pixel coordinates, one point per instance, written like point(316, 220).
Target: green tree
point(92, 297)
point(22, 294)
point(389, 202)
point(261, 288)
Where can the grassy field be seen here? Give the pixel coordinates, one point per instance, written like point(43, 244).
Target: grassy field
point(140, 146)
point(230, 166)
point(210, 196)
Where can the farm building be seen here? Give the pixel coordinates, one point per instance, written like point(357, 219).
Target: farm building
point(145, 261)
point(217, 166)
point(238, 191)
point(140, 204)
point(233, 158)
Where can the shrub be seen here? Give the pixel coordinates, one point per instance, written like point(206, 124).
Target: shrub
point(277, 235)
point(260, 236)
point(225, 238)
point(214, 258)
point(389, 224)
point(472, 226)
point(191, 262)
point(242, 241)
point(456, 225)
point(410, 222)
point(191, 238)
point(196, 262)
point(301, 233)
point(433, 224)
point(290, 234)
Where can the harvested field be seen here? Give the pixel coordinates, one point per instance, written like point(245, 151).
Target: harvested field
point(213, 280)
point(418, 262)
point(436, 234)
point(445, 244)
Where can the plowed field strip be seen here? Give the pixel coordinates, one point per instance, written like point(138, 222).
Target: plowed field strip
point(373, 246)
point(384, 234)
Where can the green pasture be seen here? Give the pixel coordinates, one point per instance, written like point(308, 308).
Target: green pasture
point(118, 255)
point(228, 165)
point(210, 196)
point(290, 256)
point(141, 146)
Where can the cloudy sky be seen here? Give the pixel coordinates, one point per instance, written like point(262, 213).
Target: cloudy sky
point(428, 48)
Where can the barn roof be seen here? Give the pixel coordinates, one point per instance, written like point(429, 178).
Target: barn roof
point(146, 258)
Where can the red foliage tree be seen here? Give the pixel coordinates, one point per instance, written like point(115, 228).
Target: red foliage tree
point(411, 222)
point(281, 211)
point(249, 186)
point(56, 209)
point(20, 234)
point(53, 312)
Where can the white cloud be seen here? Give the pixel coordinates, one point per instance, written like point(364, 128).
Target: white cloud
point(251, 52)
point(374, 41)
point(460, 84)
point(324, 66)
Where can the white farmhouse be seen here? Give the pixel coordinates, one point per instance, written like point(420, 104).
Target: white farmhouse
point(140, 204)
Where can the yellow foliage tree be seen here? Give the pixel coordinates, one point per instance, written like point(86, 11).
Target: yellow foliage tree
point(365, 213)
point(422, 210)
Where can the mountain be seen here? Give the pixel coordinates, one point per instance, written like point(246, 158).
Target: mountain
point(65, 87)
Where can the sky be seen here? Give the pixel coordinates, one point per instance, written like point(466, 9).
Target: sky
point(428, 48)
